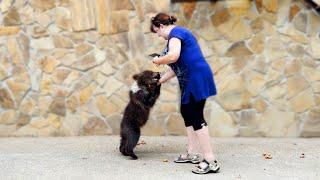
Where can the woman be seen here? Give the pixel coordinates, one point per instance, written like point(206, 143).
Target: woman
point(196, 82)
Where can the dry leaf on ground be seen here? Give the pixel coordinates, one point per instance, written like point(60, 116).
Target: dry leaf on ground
point(141, 142)
point(267, 156)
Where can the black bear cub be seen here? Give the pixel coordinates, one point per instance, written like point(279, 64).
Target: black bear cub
point(143, 95)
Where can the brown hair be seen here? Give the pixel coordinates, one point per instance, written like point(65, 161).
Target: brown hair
point(161, 18)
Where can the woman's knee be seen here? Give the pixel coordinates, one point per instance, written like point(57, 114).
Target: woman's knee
point(198, 124)
point(187, 122)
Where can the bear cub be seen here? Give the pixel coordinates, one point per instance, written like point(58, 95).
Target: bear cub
point(143, 95)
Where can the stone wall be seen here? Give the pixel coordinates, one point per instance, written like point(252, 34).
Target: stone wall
point(66, 66)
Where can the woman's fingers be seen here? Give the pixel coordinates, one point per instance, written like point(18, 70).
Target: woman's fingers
point(154, 60)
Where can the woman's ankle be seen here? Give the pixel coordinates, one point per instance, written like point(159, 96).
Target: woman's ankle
point(193, 151)
point(209, 158)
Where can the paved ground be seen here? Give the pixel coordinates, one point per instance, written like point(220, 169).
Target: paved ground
point(98, 158)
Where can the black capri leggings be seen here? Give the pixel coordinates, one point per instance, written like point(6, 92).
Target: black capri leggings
point(192, 113)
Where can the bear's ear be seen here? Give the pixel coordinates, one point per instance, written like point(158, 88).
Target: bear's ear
point(136, 76)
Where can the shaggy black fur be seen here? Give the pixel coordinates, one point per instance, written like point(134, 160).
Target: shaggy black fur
point(142, 97)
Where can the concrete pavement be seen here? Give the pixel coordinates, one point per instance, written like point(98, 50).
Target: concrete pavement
point(97, 157)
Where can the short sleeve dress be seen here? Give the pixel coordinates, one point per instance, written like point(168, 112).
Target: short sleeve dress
point(192, 70)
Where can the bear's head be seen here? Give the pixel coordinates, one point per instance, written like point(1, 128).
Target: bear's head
point(146, 80)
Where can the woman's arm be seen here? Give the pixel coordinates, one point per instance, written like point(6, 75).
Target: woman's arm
point(173, 54)
point(166, 76)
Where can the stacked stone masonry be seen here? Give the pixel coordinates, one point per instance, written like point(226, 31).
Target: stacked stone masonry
point(66, 66)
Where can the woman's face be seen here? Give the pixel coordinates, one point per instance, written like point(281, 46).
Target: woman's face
point(161, 31)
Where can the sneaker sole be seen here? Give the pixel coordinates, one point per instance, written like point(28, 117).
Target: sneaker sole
point(188, 161)
point(209, 172)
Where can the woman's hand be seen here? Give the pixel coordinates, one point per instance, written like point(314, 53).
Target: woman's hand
point(166, 76)
point(154, 60)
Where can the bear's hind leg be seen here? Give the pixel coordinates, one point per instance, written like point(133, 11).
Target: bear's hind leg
point(122, 146)
point(131, 143)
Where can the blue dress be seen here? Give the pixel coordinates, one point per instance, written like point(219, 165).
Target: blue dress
point(193, 72)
